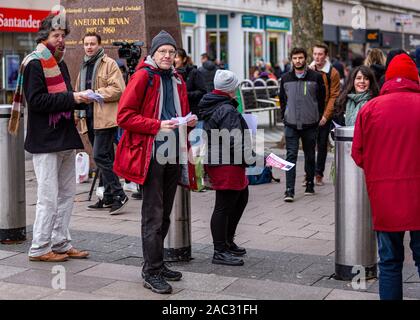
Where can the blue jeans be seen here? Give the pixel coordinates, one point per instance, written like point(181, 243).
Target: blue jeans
point(391, 255)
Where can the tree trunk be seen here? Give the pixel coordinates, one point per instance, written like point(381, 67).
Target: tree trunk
point(307, 24)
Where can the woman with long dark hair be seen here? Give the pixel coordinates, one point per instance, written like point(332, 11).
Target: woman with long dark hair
point(360, 88)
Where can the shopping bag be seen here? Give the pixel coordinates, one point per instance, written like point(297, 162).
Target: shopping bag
point(82, 167)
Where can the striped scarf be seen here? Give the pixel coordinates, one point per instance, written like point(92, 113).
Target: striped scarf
point(49, 59)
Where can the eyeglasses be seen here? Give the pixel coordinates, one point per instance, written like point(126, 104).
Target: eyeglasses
point(172, 53)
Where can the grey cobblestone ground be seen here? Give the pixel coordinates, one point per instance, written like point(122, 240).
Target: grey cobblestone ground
point(290, 251)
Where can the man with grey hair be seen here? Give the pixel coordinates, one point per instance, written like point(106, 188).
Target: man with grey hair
point(52, 139)
point(155, 94)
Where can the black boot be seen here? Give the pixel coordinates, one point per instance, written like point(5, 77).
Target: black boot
point(234, 249)
point(225, 258)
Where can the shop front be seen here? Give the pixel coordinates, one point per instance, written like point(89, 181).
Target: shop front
point(277, 44)
point(266, 39)
point(188, 20)
point(352, 43)
point(17, 39)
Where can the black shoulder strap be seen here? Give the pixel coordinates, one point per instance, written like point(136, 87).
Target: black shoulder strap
point(150, 81)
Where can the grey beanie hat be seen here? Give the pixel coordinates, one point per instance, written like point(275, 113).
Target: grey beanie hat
point(161, 39)
point(226, 81)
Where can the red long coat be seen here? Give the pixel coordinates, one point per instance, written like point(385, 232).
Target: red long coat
point(138, 115)
point(386, 145)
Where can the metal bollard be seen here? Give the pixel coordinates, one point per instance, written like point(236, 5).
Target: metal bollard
point(178, 241)
point(355, 241)
point(12, 178)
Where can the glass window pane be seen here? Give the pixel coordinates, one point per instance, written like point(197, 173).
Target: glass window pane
point(224, 48)
point(223, 21)
point(211, 38)
point(211, 21)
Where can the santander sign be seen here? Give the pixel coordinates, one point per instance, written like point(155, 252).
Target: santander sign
point(21, 20)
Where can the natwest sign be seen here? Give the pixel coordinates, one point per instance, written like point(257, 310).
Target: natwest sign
point(21, 20)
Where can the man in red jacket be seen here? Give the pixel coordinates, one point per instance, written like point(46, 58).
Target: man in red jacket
point(154, 95)
point(385, 145)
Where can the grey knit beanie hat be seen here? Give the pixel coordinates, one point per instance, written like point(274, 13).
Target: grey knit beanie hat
point(226, 81)
point(161, 39)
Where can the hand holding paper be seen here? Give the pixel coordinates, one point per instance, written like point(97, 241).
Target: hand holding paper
point(277, 162)
point(179, 121)
point(94, 96)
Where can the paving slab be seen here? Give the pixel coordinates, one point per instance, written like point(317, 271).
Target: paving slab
point(114, 272)
point(203, 282)
point(15, 291)
point(71, 265)
point(44, 278)
point(338, 294)
point(269, 290)
point(5, 254)
point(131, 291)
point(199, 295)
point(7, 271)
point(74, 295)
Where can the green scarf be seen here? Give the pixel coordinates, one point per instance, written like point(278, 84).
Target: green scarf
point(354, 103)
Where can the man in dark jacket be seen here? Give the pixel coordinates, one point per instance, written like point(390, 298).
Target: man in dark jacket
point(52, 139)
point(302, 98)
point(208, 71)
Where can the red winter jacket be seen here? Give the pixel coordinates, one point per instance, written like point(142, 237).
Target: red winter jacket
point(138, 115)
point(386, 145)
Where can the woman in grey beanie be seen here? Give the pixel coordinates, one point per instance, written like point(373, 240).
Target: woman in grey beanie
point(219, 111)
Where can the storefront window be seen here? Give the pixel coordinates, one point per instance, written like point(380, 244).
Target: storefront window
point(212, 44)
point(273, 50)
point(14, 47)
point(217, 37)
point(256, 47)
point(224, 48)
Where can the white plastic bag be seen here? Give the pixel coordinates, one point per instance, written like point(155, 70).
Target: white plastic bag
point(82, 167)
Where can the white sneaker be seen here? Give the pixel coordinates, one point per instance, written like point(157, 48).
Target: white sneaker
point(130, 187)
point(100, 192)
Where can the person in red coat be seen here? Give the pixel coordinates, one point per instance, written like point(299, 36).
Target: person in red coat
point(149, 151)
point(385, 145)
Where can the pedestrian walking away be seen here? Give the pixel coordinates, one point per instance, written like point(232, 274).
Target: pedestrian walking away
point(208, 71)
point(52, 138)
point(141, 156)
point(385, 145)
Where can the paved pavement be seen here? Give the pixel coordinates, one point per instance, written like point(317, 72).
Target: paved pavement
point(290, 251)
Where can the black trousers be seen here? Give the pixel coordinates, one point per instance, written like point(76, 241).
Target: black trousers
point(103, 154)
point(322, 148)
point(308, 137)
point(228, 210)
point(158, 197)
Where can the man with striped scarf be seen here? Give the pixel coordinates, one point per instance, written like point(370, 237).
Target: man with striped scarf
point(52, 138)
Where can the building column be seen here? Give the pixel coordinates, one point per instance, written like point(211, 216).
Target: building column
point(236, 46)
point(200, 41)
